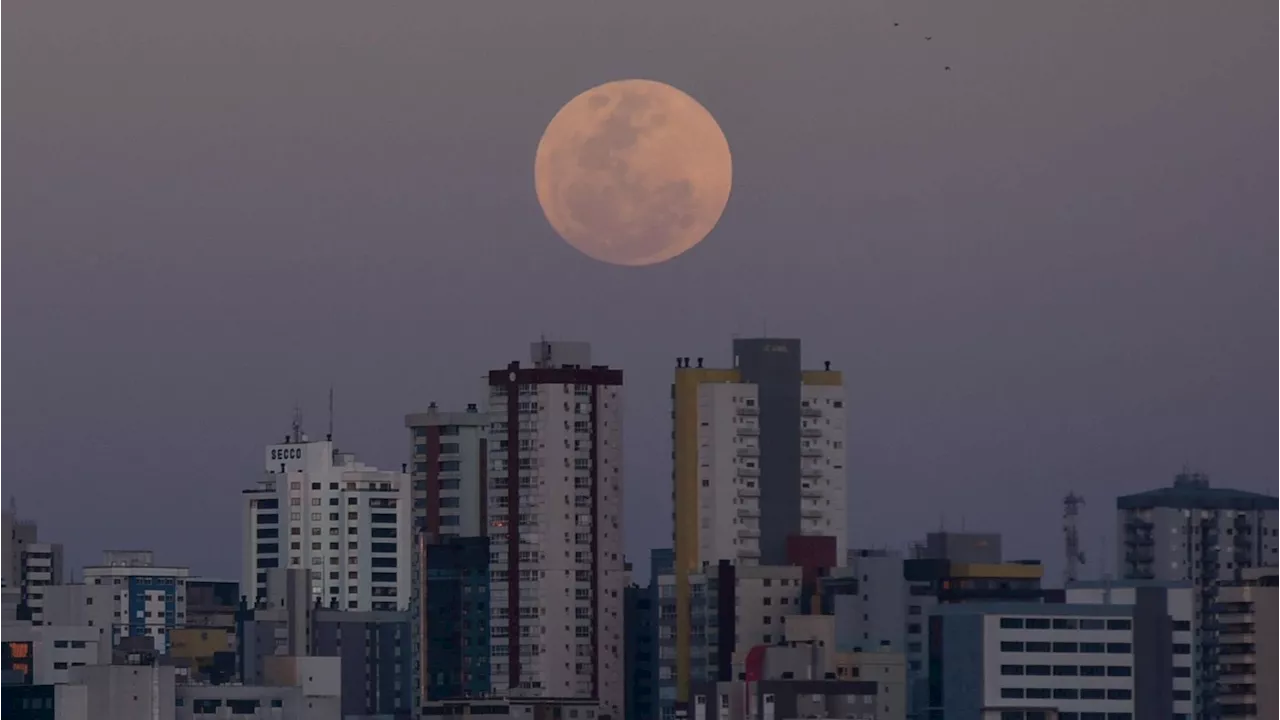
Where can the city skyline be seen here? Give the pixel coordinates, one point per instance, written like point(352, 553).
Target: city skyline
point(1037, 277)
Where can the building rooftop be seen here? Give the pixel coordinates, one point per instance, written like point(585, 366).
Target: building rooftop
point(1041, 609)
point(1191, 491)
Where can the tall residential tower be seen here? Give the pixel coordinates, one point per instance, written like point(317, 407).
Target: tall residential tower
point(1203, 535)
point(759, 456)
point(555, 527)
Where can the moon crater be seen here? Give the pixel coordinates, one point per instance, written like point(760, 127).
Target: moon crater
point(633, 172)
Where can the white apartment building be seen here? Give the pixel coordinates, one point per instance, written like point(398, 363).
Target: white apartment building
point(449, 464)
point(728, 458)
point(554, 518)
point(824, 486)
point(1082, 662)
point(146, 600)
point(1178, 601)
point(348, 523)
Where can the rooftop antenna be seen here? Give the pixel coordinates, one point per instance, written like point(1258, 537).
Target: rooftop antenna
point(330, 437)
point(1071, 534)
point(297, 423)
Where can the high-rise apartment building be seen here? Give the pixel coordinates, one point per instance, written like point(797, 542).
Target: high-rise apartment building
point(1207, 536)
point(449, 471)
point(348, 523)
point(555, 527)
point(759, 456)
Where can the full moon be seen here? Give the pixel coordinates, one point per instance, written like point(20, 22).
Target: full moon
point(633, 172)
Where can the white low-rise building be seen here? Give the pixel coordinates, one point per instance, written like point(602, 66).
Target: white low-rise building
point(147, 600)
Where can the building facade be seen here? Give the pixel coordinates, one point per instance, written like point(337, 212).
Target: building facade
point(30, 566)
point(640, 644)
point(1175, 599)
point(51, 651)
point(1194, 532)
point(146, 600)
point(732, 609)
point(1075, 661)
point(375, 653)
point(348, 523)
point(555, 528)
point(451, 613)
point(1245, 616)
point(449, 470)
point(758, 457)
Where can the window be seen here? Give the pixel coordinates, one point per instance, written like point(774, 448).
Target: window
point(1119, 648)
point(1038, 670)
point(1092, 647)
point(1064, 647)
point(1038, 623)
point(1011, 670)
point(1119, 694)
point(1011, 693)
point(1039, 647)
point(1124, 624)
point(1119, 671)
point(1010, 646)
point(1011, 623)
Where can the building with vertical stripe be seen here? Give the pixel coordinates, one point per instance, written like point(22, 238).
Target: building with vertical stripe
point(759, 456)
point(554, 496)
point(448, 470)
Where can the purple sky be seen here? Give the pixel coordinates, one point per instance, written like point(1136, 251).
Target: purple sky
point(1048, 268)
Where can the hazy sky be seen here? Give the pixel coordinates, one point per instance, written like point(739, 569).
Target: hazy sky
point(1048, 268)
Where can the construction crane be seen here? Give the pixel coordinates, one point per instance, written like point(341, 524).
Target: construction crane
point(1075, 556)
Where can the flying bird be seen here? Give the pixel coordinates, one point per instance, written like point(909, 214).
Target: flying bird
point(928, 37)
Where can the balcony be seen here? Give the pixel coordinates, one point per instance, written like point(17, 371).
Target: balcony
point(810, 432)
point(748, 410)
point(810, 512)
point(811, 472)
point(748, 472)
point(810, 452)
point(748, 512)
point(810, 492)
point(748, 532)
point(810, 412)
point(749, 452)
point(749, 492)
point(748, 431)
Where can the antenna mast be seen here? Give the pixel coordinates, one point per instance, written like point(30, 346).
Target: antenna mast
point(1075, 556)
point(297, 423)
point(330, 437)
